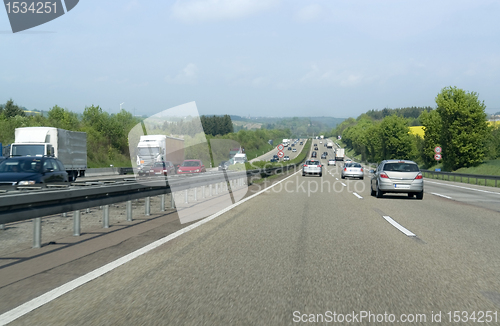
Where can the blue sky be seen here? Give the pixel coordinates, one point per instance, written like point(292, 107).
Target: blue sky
point(257, 58)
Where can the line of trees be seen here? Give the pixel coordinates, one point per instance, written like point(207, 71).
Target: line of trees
point(458, 125)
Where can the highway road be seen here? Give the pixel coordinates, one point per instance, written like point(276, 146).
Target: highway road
point(269, 155)
point(306, 249)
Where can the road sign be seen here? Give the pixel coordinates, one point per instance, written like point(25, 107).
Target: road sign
point(437, 150)
point(280, 147)
point(281, 154)
point(437, 157)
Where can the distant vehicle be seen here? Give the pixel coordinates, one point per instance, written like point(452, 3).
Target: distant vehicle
point(316, 148)
point(321, 142)
point(397, 176)
point(312, 167)
point(162, 168)
point(313, 154)
point(223, 165)
point(323, 156)
point(326, 153)
point(31, 171)
point(289, 148)
point(339, 154)
point(191, 166)
point(286, 158)
point(159, 148)
point(69, 147)
point(294, 150)
point(293, 145)
point(329, 144)
point(301, 143)
point(353, 170)
point(274, 160)
point(276, 157)
point(239, 158)
point(332, 162)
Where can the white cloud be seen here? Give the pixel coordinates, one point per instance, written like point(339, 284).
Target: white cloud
point(310, 13)
point(188, 75)
point(215, 10)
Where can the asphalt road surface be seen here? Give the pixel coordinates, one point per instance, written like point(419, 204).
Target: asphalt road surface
point(307, 249)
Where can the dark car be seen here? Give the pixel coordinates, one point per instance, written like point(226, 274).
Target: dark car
point(314, 154)
point(274, 160)
point(323, 156)
point(289, 148)
point(162, 168)
point(30, 171)
point(191, 166)
point(223, 165)
point(326, 153)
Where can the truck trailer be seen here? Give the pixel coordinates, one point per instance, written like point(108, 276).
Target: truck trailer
point(339, 154)
point(70, 147)
point(159, 148)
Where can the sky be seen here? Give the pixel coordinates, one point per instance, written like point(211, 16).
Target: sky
point(272, 58)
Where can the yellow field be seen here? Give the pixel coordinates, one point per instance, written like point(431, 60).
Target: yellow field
point(417, 130)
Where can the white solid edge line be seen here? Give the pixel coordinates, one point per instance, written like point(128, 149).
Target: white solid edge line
point(444, 184)
point(399, 226)
point(39, 301)
point(435, 194)
point(355, 194)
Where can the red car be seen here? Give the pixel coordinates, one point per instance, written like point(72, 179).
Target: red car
point(191, 166)
point(162, 168)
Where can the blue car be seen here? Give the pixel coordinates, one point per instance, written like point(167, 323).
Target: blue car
point(31, 171)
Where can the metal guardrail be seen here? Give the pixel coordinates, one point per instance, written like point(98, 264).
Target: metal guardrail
point(455, 175)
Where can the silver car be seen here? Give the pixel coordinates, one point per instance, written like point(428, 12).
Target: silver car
point(353, 170)
point(397, 176)
point(312, 167)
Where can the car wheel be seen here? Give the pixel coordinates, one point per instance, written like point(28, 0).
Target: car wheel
point(379, 193)
point(420, 195)
point(372, 192)
point(342, 177)
point(361, 178)
point(303, 174)
point(320, 175)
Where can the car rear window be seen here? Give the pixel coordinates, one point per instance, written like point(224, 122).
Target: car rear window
point(355, 165)
point(401, 167)
point(312, 162)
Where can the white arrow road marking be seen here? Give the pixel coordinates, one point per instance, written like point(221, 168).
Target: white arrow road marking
point(435, 194)
point(399, 226)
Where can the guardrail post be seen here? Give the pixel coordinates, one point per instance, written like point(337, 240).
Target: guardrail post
point(162, 204)
point(2, 226)
point(76, 223)
point(216, 188)
point(65, 214)
point(105, 220)
point(37, 232)
point(186, 196)
point(203, 191)
point(210, 190)
point(88, 210)
point(147, 206)
point(172, 201)
point(194, 193)
point(129, 210)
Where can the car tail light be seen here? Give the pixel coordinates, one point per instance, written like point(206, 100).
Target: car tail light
point(305, 165)
point(361, 169)
point(419, 176)
point(319, 166)
point(384, 175)
point(345, 169)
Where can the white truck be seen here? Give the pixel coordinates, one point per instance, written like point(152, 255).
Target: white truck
point(69, 147)
point(329, 144)
point(286, 142)
point(159, 148)
point(322, 137)
point(240, 158)
point(339, 154)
